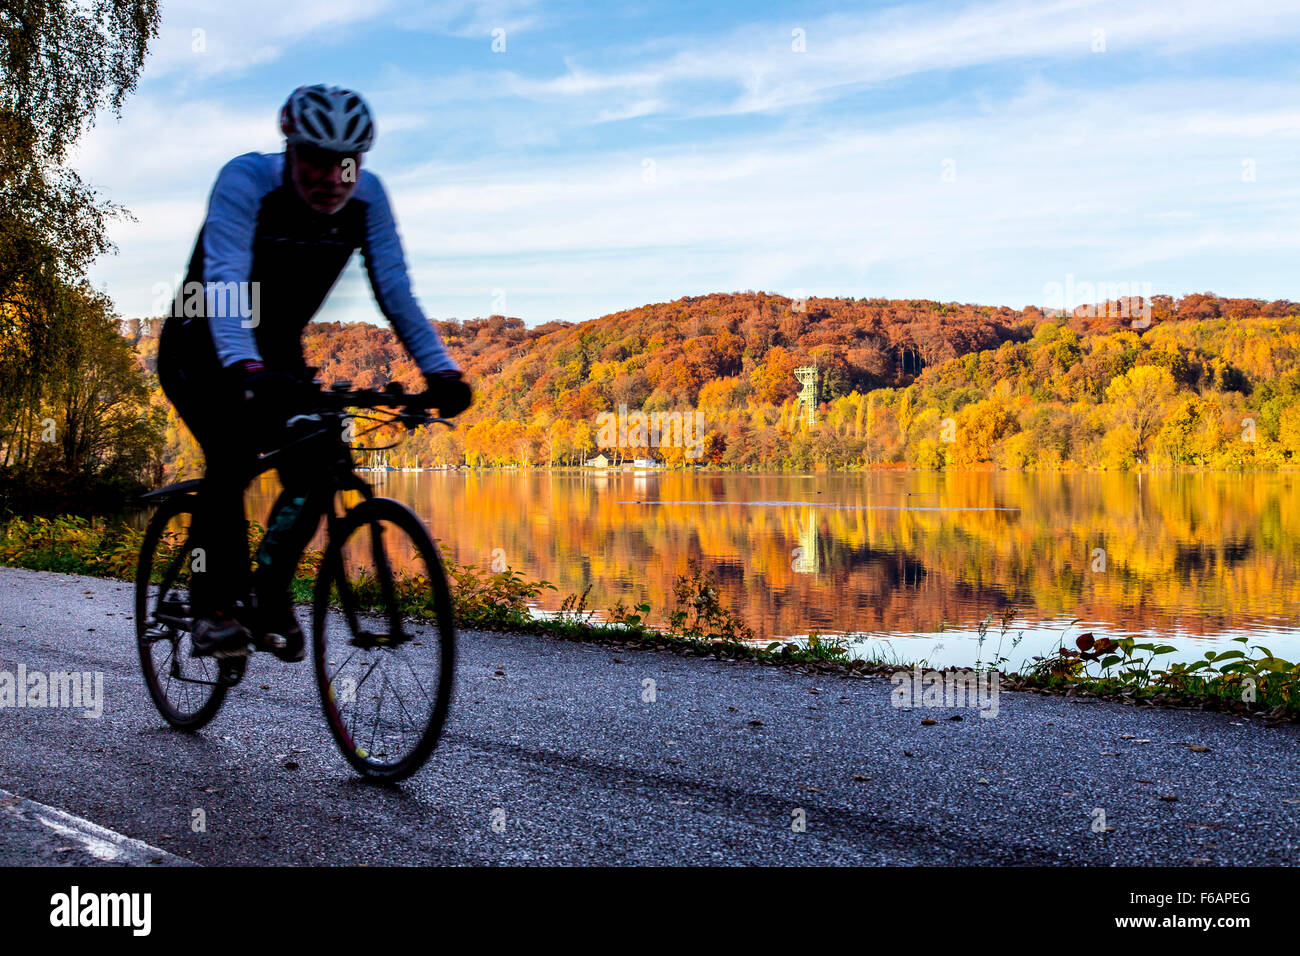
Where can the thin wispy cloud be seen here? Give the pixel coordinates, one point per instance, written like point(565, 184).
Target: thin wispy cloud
point(472, 18)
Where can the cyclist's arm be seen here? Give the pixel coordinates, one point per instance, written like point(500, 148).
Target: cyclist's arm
point(227, 249)
point(386, 266)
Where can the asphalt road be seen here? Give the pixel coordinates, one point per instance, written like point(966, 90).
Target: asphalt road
point(562, 754)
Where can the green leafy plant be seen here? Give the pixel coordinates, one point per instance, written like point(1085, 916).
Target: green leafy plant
point(698, 614)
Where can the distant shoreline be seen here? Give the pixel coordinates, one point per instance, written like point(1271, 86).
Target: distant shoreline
point(893, 467)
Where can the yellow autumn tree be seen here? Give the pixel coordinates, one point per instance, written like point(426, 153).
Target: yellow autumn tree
point(1139, 399)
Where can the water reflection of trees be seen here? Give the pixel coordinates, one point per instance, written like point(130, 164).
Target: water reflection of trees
point(894, 551)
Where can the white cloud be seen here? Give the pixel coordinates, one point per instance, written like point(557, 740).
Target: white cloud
point(164, 145)
point(755, 68)
point(198, 39)
point(1136, 181)
point(1028, 206)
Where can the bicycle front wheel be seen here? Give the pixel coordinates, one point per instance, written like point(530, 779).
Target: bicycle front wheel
point(384, 639)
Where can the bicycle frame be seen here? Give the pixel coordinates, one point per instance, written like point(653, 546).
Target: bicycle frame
point(332, 409)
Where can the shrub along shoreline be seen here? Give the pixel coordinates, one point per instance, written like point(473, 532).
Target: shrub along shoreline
point(697, 624)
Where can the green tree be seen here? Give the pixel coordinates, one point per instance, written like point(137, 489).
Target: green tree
point(61, 61)
point(105, 424)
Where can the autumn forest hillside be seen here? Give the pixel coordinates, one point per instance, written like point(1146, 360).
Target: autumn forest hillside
point(1201, 380)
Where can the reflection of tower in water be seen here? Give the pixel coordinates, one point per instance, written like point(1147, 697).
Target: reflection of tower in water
point(807, 561)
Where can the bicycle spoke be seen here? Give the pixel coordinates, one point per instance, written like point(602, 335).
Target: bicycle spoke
point(347, 597)
point(171, 654)
point(384, 575)
point(172, 570)
point(338, 670)
point(405, 712)
point(378, 710)
point(414, 675)
point(403, 683)
point(183, 688)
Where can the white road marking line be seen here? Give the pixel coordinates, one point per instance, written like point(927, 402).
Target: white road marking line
point(100, 842)
point(99, 849)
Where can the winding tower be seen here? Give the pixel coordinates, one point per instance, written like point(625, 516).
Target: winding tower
point(807, 376)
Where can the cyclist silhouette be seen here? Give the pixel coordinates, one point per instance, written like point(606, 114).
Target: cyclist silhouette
point(279, 229)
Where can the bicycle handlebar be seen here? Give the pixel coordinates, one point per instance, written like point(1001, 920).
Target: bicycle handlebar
point(414, 407)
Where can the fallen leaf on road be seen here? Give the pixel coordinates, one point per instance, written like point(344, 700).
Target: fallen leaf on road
point(860, 777)
point(927, 722)
point(1198, 749)
point(1169, 797)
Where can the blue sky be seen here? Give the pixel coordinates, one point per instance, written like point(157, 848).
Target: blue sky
point(615, 155)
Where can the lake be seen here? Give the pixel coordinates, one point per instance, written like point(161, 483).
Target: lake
point(912, 560)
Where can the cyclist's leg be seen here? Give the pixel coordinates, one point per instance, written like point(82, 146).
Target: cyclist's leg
point(205, 405)
point(220, 522)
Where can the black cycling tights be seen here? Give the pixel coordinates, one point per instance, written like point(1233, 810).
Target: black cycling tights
point(217, 414)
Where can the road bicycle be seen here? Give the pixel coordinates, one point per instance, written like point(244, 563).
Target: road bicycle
point(382, 628)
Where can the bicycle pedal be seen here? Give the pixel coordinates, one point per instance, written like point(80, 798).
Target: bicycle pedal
point(231, 670)
point(268, 642)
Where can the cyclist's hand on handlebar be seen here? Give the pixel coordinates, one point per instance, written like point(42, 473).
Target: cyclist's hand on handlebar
point(446, 392)
point(269, 393)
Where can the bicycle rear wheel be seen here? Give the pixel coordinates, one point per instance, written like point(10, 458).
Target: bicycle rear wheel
point(187, 691)
point(385, 664)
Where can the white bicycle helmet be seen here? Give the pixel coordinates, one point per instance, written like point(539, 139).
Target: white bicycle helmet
point(327, 117)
